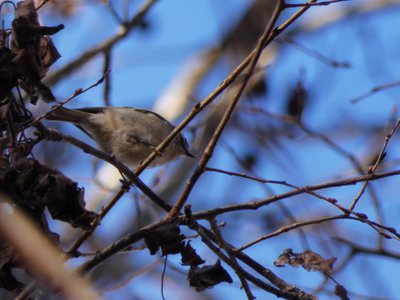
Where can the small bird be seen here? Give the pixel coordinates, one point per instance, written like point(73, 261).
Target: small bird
point(130, 134)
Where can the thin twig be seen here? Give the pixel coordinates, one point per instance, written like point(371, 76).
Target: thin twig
point(358, 249)
point(229, 250)
point(379, 159)
point(321, 3)
point(306, 189)
point(114, 13)
point(288, 228)
point(163, 277)
point(282, 206)
point(107, 79)
point(328, 61)
point(60, 104)
point(376, 90)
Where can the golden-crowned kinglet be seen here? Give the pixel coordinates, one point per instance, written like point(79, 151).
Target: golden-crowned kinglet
point(129, 134)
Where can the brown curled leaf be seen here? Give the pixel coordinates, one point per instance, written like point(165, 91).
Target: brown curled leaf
point(208, 276)
point(341, 292)
point(34, 53)
point(284, 258)
point(166, 237)
point(189, 256)
point(314, 262)
point(58, 193)
point(34, 187)
point(309, 260)
point(8, 72)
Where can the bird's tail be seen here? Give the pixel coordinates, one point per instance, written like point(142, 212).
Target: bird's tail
point(68, 115)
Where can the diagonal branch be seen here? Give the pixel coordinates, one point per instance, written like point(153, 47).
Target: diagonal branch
point(207, 154)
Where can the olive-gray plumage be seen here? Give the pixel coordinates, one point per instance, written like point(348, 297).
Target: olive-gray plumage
point(129, 134)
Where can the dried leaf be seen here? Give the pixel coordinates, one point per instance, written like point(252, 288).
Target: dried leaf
point(48, 54)
point(208, 276)
point(308, 259)
point(58, 193)
point(284, 258)
point(33, 51)
point(341, 291)
point(8, 72)
point(34, 187)
point(297, 101)
point(314, 262)
point(189, 256)
point(166, 237)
